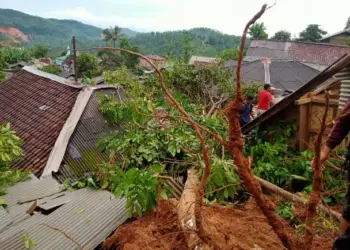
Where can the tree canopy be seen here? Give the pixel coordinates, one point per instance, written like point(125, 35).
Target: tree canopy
point(40, 51)
point(347, 26)
point(258, 31)
point(312, 33)
point(112, 35)
point(282, 35)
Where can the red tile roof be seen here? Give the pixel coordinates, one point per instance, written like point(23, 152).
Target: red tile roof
point(37, 108)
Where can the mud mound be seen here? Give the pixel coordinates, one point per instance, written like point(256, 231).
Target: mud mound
point(229, 228)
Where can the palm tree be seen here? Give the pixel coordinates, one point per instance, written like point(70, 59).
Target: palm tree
point(111, 34)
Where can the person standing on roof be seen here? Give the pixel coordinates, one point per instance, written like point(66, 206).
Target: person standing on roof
point(339, 131)
point(265, 99)
point(247, 112)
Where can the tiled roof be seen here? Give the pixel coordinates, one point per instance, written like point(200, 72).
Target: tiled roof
point(37, 108)
point(284, 74)
point(316, 53)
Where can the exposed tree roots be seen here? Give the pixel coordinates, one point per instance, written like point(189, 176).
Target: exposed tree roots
point(190, 217)
point(318, 181)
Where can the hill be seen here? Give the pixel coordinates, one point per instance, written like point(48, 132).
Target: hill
point(19, 27)
point(28, 30)
point(203, 41)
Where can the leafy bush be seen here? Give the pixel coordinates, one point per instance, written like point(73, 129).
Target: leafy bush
point(87, 65)
point(52, 69)
point(10, 150)
point(39, 51)
point(221, 185)
point(14, 55)
point(285, 210)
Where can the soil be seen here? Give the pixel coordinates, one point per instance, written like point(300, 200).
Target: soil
point(15, 34)
point(245, 228)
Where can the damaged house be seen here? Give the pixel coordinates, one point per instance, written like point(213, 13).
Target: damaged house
point(60, 125)
point(307, 103)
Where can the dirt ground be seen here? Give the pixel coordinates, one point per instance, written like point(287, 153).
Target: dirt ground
point(229, 228)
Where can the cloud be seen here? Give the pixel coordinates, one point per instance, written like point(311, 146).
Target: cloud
point(82, 14)
point(224, 15)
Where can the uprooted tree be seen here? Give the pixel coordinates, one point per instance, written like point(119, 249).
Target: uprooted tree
point(189, 211)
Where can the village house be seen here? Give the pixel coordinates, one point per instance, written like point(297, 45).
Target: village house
point(157, 60)
point(60, 125)
point(203, 61)
point(316, 55)
point(339, 38)
point(284, 75)
point(306, 105)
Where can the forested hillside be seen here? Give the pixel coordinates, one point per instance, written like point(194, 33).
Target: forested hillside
point(54, 33)
point(20, 28)
point(202, 41)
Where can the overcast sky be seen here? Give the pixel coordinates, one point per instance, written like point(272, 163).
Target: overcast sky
point(228, 16)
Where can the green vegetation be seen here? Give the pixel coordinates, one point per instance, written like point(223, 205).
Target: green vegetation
point(52, 69)
point(312, 33)
point(112, 35)
point(28, 242)
point(282, 35)
point(347, 25)
point(53, 33)
point(229, 54)
point(198, 41)
point(11, 55)
point(285, 210)
point(10, 150)
point(87, 65)
point(258, 31)
point(39, 51)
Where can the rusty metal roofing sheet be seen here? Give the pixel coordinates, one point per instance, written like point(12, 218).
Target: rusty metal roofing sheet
point(82, 155)
point(88, 218)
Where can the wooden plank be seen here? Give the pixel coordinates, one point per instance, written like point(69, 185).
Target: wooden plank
point(302, 101)
point(59, 149)
point(303, 126)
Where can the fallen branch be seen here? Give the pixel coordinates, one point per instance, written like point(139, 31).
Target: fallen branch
point(315, 196)
point(64, 233)
point(294, 198)
point(187, 212)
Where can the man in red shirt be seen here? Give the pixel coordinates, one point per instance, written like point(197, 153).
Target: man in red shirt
point(265, 99)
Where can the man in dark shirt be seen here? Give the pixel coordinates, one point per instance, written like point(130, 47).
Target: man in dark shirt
point(339, 131)
point(247, 111)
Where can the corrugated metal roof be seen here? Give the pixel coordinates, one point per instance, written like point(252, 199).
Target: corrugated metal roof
point(83, 156)
point(329, 72)
point(5, 218)
point(284, 74)
point(87, 216)
point(344, 77)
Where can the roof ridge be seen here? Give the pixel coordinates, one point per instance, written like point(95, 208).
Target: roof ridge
point(311, 43)
point(52, 77)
